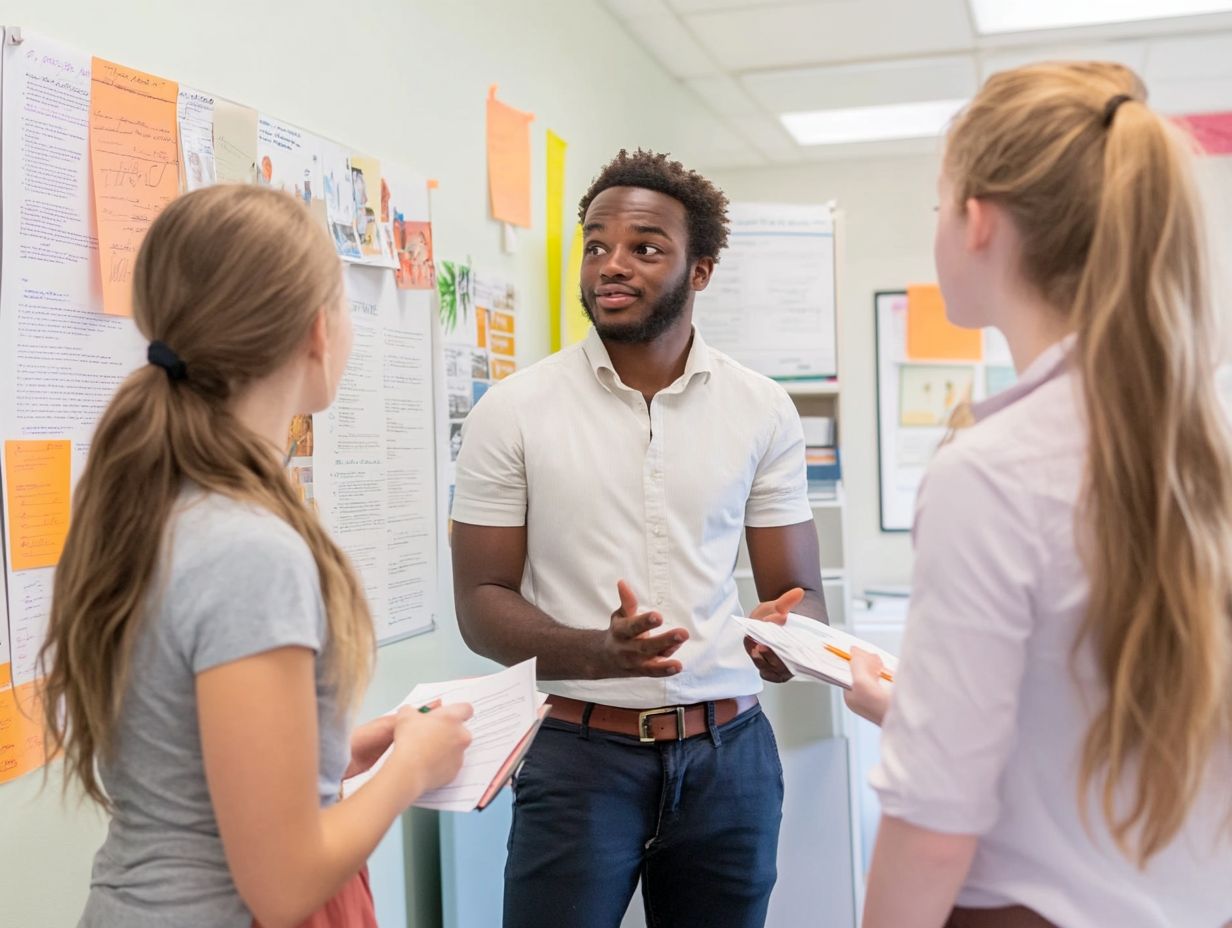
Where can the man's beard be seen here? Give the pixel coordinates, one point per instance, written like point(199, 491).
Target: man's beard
point(665, 313)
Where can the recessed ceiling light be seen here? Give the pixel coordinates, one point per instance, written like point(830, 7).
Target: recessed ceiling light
point(992, 16)
point(871, 123)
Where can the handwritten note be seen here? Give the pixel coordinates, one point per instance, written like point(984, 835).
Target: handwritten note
point(135, 161)
point(931, 336)
point(38, 477)
point(21, 727)
point(509, 161)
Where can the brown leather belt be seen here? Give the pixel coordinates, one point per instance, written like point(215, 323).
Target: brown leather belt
point(1015, 916)
point(667, 723)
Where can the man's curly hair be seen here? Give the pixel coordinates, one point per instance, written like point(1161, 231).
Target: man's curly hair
point(705, 205)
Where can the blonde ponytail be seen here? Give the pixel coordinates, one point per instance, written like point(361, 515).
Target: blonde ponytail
point(232, 279)
point(1101, 193)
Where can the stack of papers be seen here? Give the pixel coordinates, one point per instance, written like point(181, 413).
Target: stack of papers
point(508, 712)
point(805, 644)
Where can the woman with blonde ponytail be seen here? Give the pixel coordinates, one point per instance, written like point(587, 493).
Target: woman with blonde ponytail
point(1057, 746)
point(208, 641)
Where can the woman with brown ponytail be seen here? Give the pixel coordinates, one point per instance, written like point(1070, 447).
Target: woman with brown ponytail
point(1057, 747)
point(208, 640)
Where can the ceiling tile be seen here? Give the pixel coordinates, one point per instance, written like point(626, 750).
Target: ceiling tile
point(664, 36)
point(832, 31)
point(634, 9)
point(724, 95)
point(768, 135)
point(949, 77)
point(695, 6)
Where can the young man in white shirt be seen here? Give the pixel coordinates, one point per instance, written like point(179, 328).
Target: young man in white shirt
point(620, 472)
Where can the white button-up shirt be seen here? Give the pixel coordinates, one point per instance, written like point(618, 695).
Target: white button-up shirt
point(985, 728)
point(610, 488)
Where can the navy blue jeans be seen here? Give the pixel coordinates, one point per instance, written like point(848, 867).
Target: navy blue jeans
point(697, 821)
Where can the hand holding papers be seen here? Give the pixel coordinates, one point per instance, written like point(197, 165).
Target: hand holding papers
point(508, 713)
point(811, 649)
point(764, 659)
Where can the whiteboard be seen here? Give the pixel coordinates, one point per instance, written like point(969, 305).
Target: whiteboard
point(771, 301)
point(906, 436)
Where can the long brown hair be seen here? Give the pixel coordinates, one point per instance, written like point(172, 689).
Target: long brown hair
point(1112, 234)
point(232, 278)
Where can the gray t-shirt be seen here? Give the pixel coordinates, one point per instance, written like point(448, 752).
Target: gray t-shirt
point(237, 581)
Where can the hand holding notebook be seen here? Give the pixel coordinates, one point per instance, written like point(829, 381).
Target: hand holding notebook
point(814, 650)
point(508, 712)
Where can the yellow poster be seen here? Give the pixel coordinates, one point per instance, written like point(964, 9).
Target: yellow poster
point(574, 323)
point(555, 221)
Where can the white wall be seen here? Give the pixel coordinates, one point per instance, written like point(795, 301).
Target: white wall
point(887, 205)
point(405, 80)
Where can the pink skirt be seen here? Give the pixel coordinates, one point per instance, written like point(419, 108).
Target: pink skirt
point(351, 907)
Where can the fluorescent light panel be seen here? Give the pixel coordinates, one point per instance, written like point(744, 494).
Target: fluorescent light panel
point(871, 123)
point(993, 16)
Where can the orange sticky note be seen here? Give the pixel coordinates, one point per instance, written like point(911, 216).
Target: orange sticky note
point(37, 475)
point(502, 322)
point(481, 327)
point(500, 368)
point(501, 344)
point(931, 336)
point(21, 728)
point(509, 161)
point(135, 164)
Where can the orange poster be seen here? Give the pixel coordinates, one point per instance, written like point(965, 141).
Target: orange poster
point(509, 161)
point(931, 336)
point(135, 165)
point(21, 727)
point(39, 487)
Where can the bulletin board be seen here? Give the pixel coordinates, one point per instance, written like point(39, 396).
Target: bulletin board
point(925, 368)
point(92, 150)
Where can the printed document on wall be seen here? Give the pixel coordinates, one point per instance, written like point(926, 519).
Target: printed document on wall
point(373, 463)
point(771, 299)
point(61, 357)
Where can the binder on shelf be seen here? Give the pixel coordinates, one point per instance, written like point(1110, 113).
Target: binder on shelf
point(823, 469)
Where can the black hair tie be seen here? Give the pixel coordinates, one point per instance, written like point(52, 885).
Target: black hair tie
point(1112, 106)
point(160, 355)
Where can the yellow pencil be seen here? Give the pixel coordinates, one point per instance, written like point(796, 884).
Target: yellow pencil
point(885, 674)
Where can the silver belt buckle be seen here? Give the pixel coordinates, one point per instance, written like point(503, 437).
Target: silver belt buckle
point(643, 722)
